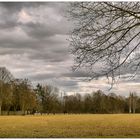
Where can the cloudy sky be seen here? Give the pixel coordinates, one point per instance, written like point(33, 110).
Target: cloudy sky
point(34, 44)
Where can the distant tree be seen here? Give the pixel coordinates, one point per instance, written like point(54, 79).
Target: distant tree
point(88, 103)
point(74, 103)
point(134, 102)
point(40, 97)
point(105, 39)
point(113, 106)
point(48, 98)
point(138, 105)
point(27, 97)
point(98, 101)
point(130, 103)
point(52, 103)
point(121, 104)
point(79, 103)
point(16, 97)
point(7, 96)
point(1, 95)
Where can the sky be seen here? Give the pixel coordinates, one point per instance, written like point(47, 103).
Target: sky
point(34, 44)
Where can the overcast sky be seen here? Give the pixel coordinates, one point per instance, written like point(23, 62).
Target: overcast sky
point(34, 44)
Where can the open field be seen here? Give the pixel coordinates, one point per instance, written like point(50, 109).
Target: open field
point(116, 125)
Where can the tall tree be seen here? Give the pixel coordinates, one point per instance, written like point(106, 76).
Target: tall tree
point(88, 103)
point(26, 96)
point(1, 95)
point(7, 97)
point(40, 96)
point(48, 98)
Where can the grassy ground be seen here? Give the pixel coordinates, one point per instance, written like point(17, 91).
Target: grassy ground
point(73, 126)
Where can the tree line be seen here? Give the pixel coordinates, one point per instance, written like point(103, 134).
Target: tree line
point(20, 95)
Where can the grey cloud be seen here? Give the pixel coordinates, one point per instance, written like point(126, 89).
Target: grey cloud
point(10, 51)
point(37, 30)
point(8, 20)
point(9, 16)
point(41, 31)
point(68, 84)
point(8, 25)
point(43, 43)
point(17, 6)
point(38, 49)
point(42, 76)
point(76, 74)
point(50, 56)
point(9, 13)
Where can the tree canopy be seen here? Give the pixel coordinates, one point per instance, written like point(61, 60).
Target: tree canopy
point(105, 40)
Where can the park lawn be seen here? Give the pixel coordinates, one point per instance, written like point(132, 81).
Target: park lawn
point(70, 126)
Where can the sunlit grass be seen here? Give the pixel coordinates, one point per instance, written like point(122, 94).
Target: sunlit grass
point(74, 126)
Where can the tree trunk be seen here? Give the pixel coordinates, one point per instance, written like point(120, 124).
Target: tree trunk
point(134, 105)
point(14, 110)
point(24, 112)
point(8, 110)
point(130, 104)
point(0, 109)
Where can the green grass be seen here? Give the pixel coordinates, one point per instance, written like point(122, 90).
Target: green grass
point(70, 126)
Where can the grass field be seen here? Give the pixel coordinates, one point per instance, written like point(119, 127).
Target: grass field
point(70, 126)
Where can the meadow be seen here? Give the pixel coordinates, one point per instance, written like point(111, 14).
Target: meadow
point(70, 126)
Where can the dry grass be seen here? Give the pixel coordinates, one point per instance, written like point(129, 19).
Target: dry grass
point(74, 126)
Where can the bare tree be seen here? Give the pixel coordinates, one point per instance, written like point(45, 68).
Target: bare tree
point(132, 102)
point(7, 96)
point(5, 77)
point(48, 98)
point(1, 95)
point(106, 37)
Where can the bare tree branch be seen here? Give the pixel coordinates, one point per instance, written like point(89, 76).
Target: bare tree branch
point(105, 37)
